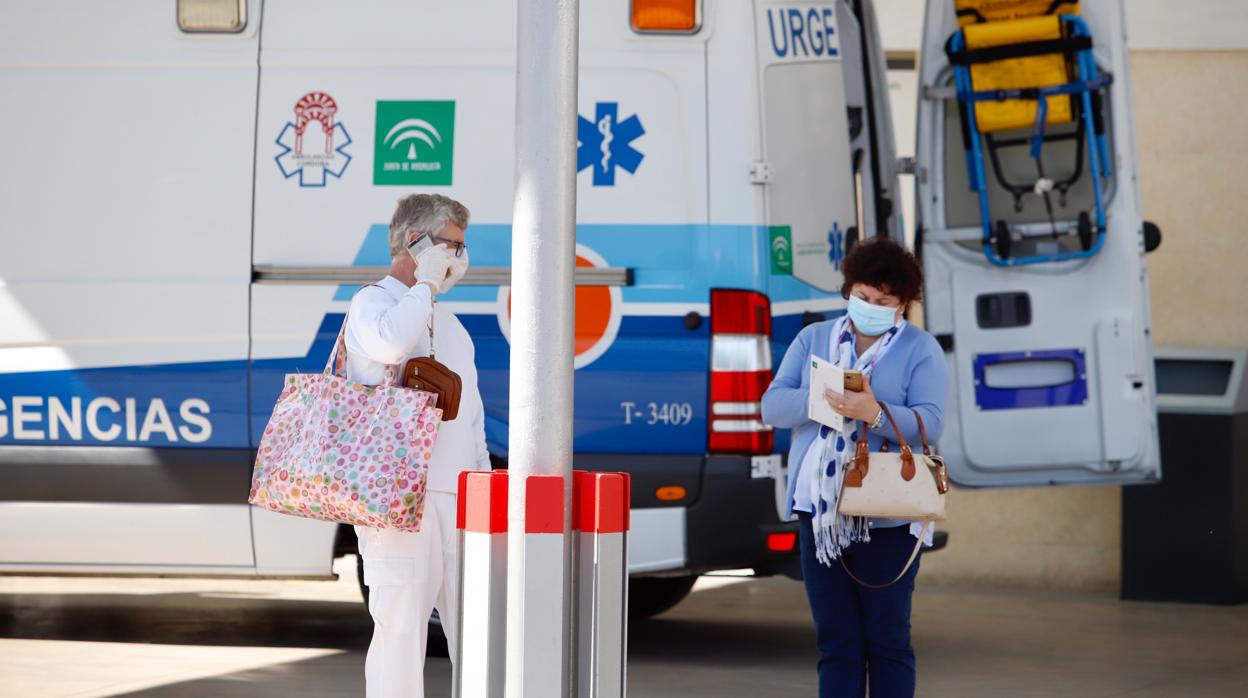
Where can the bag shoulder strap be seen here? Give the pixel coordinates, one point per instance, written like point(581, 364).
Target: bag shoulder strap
point(336, 363)
point(433, 311)
point(914, 555)
point(339, 352)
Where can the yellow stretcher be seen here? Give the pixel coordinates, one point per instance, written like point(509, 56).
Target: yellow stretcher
point(1027, 64)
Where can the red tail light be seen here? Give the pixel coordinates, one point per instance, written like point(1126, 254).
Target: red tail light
point(740, 312)
point(740, 372)
point(781, 542)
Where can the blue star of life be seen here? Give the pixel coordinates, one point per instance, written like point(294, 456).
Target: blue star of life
point(315, 171)
point(836, 238)
point(605, 143)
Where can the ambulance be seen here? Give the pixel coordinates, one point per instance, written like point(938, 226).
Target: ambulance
point(192, 190)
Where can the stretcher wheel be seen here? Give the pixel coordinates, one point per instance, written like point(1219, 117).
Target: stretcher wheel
point(1001, 239)
point(1086, 237)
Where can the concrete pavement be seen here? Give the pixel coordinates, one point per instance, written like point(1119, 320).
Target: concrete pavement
point(181, 638)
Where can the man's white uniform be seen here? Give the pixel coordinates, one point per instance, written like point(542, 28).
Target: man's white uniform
point(410, 574)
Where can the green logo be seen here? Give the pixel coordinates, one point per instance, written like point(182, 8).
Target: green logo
point(414, 143)
point(781, 249)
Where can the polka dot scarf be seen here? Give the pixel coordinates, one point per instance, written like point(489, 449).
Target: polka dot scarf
point(834, 533)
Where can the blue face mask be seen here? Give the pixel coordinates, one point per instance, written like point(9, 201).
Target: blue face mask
point(871, 320)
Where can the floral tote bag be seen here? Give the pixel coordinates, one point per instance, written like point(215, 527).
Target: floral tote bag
point(340, 451)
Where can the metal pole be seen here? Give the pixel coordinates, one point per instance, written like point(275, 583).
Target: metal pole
point(543, 264)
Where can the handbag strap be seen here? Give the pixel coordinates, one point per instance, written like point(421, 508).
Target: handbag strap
point(337, 361)
point(905, 447)
point(914, 555)
point(862, 455)
point(927, 449)
point(433, 311)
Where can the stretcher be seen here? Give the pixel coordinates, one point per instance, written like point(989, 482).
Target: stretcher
point(1028, 64)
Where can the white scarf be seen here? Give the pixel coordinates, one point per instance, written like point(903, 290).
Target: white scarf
point(834, 533)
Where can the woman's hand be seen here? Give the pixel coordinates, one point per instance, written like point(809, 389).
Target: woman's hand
point(855, 405)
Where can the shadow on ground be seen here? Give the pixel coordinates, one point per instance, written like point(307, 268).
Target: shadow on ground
point(185, 619)
point(729, 639)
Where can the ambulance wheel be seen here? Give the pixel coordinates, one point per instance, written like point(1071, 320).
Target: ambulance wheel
point(650, 596)
point(1086, 237)
point(1001, 239)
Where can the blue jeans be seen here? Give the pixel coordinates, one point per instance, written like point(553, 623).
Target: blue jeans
point(862, 632)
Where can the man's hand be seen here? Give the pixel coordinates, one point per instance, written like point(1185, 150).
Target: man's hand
point(456, 270)
point(432, 267)
point(855, 405)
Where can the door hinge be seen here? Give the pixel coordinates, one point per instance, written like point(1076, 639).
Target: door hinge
point(760, 172)
point(905, 165)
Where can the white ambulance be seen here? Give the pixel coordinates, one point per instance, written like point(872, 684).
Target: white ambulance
point(193, 189)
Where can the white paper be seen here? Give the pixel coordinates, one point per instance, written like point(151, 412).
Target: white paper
point(825, 375)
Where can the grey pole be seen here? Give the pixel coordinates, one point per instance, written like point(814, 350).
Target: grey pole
point(543, 264)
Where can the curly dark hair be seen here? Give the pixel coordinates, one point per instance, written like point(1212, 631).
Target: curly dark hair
point(884, 264)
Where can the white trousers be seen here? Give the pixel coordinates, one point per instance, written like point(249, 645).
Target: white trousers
point(408, 575)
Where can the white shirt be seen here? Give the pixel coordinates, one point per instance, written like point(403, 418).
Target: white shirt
point(389, 324)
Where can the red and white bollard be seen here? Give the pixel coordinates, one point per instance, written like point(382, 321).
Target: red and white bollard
point(597, 641)
point(480, 655)
point(601, 519)
point(542, 633)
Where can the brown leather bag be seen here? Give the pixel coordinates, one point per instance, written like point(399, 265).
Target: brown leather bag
point(430, 375)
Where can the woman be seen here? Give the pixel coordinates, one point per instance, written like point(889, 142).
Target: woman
point(861, 632)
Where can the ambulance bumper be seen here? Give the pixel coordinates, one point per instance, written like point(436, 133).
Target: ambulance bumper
point(729, 517)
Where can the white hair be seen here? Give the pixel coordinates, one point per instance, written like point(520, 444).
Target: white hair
point(424, 213)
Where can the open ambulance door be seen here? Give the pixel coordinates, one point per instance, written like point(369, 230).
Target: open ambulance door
point(1043, 312)
point(827, 134)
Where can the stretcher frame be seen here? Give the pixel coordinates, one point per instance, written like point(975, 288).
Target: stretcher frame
point(1090, 83)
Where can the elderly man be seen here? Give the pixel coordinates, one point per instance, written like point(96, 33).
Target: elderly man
point(410, 574)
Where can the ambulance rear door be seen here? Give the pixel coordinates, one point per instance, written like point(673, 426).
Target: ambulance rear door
point(806, 166)
point(1051, 361)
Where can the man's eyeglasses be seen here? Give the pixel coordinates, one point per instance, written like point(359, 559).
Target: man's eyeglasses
point(455, 245)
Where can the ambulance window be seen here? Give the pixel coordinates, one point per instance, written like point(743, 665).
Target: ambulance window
point(1017, 375)
point(1000, 310)
point(217, 16)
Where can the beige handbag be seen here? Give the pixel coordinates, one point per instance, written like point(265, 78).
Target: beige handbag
point(890, 485)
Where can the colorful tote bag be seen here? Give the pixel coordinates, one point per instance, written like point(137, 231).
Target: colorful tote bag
point(340, 451)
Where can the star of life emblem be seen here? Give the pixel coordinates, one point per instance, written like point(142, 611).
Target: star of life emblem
point(314, 144)
point(606, 143)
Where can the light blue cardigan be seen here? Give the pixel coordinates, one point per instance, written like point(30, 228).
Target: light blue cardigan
point(911, 377)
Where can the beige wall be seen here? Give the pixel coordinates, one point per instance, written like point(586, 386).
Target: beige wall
point(1192, 130)
point(1041, 538)
point(1192, 134)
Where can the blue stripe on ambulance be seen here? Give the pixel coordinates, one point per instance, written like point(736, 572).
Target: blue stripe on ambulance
point(656, 362)
point(671, 263)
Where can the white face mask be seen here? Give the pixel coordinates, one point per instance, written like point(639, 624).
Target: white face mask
point(459, 266)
